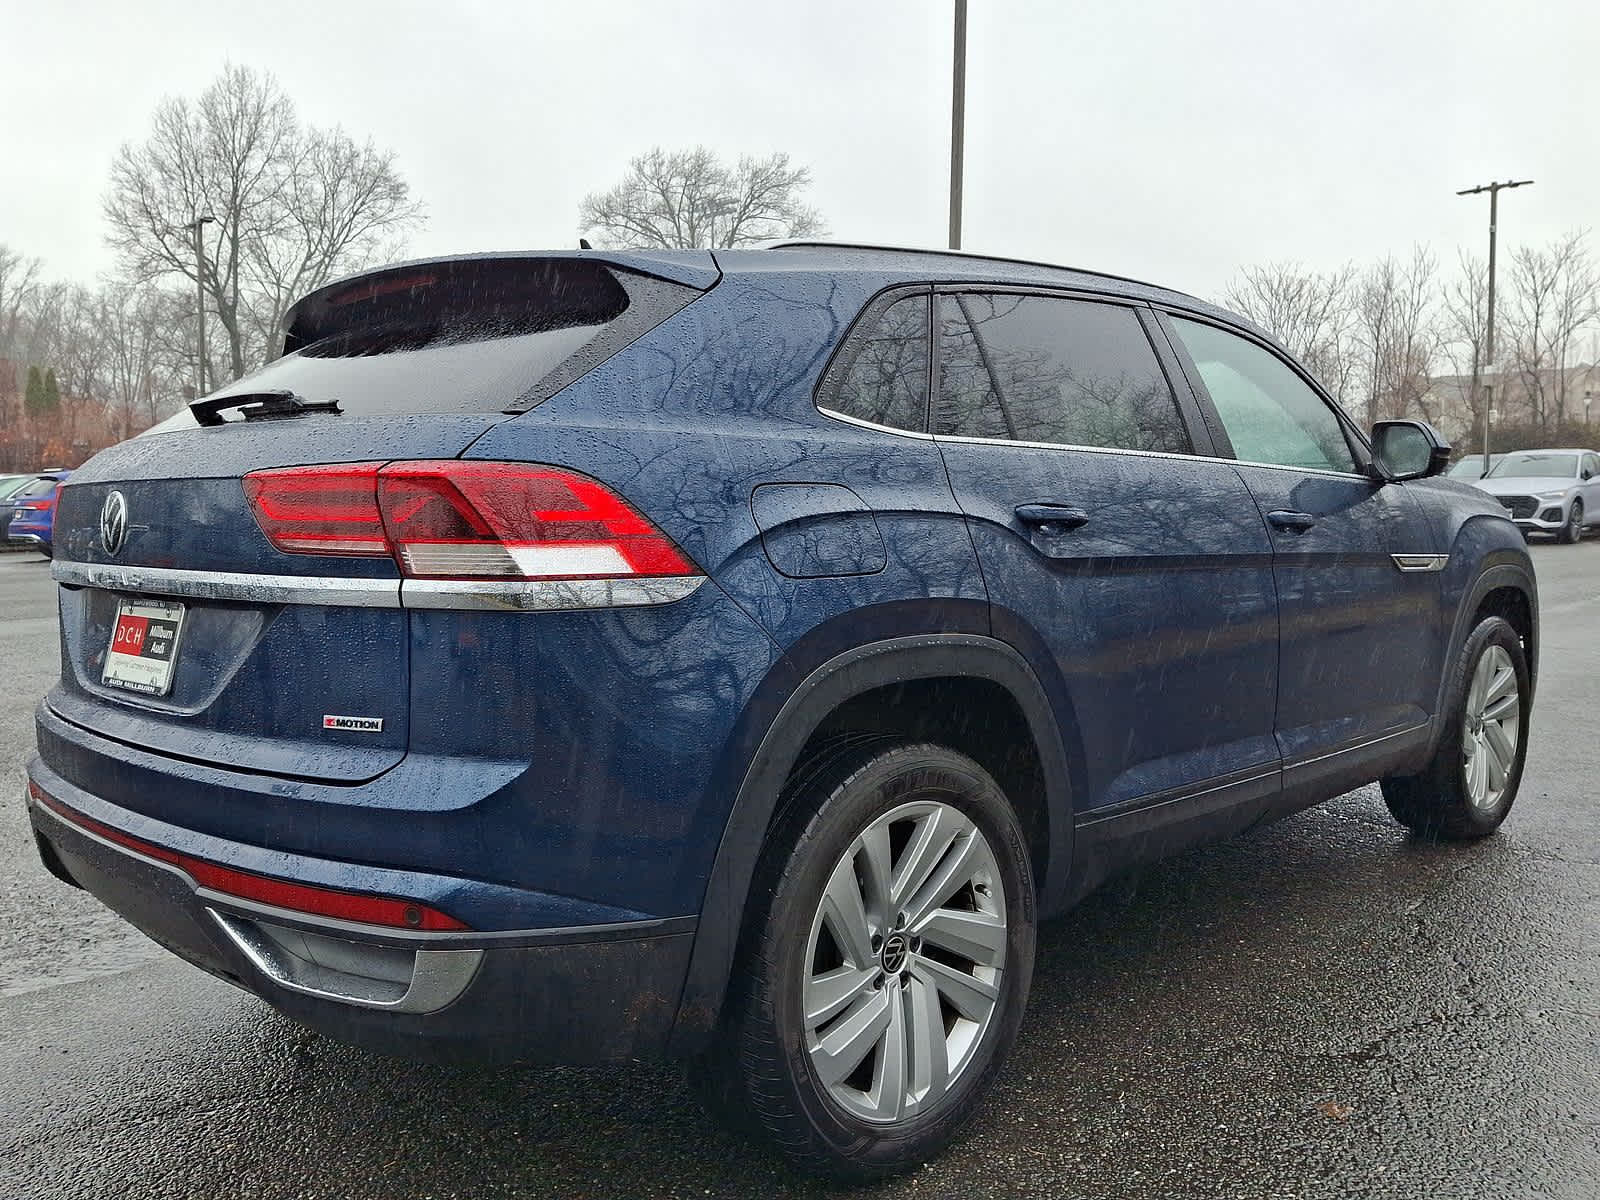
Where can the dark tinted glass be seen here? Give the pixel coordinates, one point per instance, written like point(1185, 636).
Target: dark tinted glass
point(882, 376)
point(1037, 369)
point(472, 336)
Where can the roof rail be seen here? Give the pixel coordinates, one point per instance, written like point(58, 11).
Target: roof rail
point(821, 244)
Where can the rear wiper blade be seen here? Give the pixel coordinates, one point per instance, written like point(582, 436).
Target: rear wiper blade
point(259, 406)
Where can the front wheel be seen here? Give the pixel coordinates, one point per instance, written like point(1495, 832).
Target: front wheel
point(1467, 789)
point(1572, 531)
point(883, 980)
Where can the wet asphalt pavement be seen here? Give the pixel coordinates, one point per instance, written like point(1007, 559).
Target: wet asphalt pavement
point(1324, 1008)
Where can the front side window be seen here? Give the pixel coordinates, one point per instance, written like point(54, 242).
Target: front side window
point(882, 374)
point(1271, 415)
point(1041, 369)
point(1591, 464)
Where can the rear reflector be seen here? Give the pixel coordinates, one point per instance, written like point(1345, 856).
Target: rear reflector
point(450, 519)
point(296, 897)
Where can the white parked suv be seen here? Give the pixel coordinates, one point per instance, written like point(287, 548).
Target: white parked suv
point(1548, 491)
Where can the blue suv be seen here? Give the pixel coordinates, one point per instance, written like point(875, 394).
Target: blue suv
point(735, 655)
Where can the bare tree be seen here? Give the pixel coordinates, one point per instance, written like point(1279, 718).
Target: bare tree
point(345, 205)
point(19, 289)
point(1554, 295)
point(1575, 304)
point(687, 199)
point(144, 371)
point(1310, 313)
point(1396, 333)
point(1463, 323)
point(294, 206)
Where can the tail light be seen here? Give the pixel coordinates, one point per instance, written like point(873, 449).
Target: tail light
point(319, 510)
point(451, 519)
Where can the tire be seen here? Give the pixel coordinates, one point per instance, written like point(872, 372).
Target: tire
point(1454, 797)
point(807, 1085)
point(1572, 531)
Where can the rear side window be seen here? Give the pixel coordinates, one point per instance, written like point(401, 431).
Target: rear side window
point(1041, 369)
point(881, 375)
point(1270, 413)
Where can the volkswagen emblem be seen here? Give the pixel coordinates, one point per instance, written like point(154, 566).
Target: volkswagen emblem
point(114, 523)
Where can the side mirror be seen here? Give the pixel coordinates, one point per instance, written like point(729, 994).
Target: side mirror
point(1404, 450)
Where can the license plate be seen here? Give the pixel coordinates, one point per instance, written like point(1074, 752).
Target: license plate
point(144, 646)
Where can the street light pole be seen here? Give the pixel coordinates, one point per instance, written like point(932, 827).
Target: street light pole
point(958, 112)
point(196, 226)
point(1488, 334)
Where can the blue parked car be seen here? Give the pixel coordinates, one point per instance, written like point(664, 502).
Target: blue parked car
point(32, 511)
point(736, 655)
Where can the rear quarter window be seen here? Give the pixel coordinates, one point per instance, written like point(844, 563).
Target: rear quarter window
point(880, 374)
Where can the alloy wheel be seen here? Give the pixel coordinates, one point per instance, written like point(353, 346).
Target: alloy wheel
point(904, 961)
point(1491, 726)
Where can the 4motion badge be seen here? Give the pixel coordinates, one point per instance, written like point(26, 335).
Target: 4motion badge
point(353, 724)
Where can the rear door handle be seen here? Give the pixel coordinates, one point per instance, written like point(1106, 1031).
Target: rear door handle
point(1293, 522)
point(1047, 517)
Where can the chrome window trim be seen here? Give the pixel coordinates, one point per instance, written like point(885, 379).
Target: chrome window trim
point(1232, 462)
point(982, 441)
point(865, 424)
point(544, 595)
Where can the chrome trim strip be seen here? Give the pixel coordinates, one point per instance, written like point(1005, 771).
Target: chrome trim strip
point(1156, 800)
point(1421, 562)
point(983, 441)
point(27, 539)
point(1367, 744)
point(225, 585)
point(438, 977)
point(552, 595)
point(546, 595)
point(1232, 462)
point(857, 421)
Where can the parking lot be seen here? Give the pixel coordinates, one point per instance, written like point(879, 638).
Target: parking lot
point(1324, 1008)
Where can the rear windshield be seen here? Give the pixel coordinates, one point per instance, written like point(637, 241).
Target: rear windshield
point(475, 336)
point(34, 488)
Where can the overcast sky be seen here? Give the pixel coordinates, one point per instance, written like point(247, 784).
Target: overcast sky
point(1171, 141)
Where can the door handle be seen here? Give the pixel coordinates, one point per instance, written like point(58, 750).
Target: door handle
point(1051, 518)
point(1292, 522)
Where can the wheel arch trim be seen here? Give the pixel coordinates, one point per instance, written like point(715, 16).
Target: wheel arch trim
point(832, 683)
point(1500, 569)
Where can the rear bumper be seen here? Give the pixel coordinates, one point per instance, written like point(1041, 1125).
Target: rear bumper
point(582, 994)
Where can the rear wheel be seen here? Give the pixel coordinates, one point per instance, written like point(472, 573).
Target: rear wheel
point(1468, 788)
point(883, 980)
point(1572, 531)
